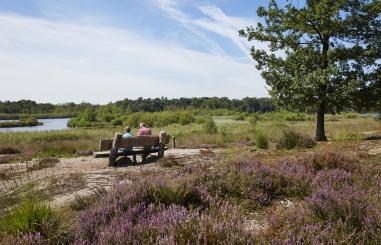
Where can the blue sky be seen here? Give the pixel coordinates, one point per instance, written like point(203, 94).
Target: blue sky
point(101, 51)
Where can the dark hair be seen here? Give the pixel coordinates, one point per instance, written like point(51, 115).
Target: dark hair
point(127, 129)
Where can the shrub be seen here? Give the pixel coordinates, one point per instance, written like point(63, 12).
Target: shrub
point(351, 115)
point(117, 122)
point(338, 211)
point(292, 139)
point(159, 119)
point(261, 140)
point(332, 160)
point(9, 150)
point(29, 219)
point(210, 126)
point(168, 162)
point(255, 185)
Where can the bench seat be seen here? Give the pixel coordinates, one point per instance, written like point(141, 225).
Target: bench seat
point(104, 154)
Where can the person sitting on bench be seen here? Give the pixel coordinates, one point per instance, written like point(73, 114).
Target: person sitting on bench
point(144, 130)
point(128, 134)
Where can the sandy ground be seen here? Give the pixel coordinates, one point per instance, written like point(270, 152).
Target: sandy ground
point(71, 177)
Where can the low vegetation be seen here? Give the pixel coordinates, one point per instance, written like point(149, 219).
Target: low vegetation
point(213, 204)
point(27, 122)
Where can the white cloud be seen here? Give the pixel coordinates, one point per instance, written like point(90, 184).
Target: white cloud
point(58, 62)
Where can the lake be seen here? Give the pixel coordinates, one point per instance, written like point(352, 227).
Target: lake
point(49, 124)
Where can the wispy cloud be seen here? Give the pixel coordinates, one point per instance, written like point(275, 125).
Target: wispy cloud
point(215, 21)
point(57, 62)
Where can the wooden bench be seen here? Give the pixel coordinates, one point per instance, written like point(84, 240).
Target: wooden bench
point(111, 148)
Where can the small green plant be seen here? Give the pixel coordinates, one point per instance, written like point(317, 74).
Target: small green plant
point(180, 195)
point(31, 217)
point(261, 140)
point(210, 126)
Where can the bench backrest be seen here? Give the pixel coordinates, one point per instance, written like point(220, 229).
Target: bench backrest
point(136, 141)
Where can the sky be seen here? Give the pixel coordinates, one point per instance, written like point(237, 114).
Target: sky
point(101, 51)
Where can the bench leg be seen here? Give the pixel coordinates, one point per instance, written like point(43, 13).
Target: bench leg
point(112, 157)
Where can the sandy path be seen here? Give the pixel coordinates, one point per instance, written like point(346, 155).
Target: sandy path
point(79, 176)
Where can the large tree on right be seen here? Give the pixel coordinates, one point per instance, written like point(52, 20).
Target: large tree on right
point(322, 57)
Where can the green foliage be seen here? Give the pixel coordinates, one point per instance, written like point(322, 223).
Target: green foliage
point(344, 135)
point(58, 136)
point(292, 139)
point(159, 119)
point(261, 140)
point(59, 151)
point(24, 122)
point(209, 126)
point(31, 217)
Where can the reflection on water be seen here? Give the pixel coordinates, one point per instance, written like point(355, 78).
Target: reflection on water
point(49, 124)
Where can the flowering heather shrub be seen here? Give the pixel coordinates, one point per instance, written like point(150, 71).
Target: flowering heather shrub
point(256, 185)
point(129, 216)
point(27, 239)
point(338, 211)
point(292, 139)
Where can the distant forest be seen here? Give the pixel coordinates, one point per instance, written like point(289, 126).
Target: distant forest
point(248, 105)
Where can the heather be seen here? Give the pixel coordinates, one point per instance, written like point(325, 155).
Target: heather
point(156, 212)
point(340, 209)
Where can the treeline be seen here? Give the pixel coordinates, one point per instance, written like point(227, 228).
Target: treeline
point(32, 107)
point(211, 103)
point(248, 105)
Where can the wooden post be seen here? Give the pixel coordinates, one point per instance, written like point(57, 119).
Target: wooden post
point(174, 142)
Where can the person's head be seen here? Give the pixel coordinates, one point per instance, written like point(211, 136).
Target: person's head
point(142, 125)
point(127, 129)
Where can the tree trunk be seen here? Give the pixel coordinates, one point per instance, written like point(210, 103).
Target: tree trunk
point(320, 132)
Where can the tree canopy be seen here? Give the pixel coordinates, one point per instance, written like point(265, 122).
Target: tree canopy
point(323, 56)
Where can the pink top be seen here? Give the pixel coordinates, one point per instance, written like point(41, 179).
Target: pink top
point(144, 131)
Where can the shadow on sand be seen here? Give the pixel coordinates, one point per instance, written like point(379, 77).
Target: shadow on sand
point(127, 161)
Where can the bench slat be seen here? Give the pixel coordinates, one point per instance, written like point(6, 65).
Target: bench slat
point(104, 154)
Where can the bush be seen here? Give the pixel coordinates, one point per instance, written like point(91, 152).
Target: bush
point(29, 219)
point(292, 139)
point(255, 185)
point(210, 126)
point(332, 160)
point(9, 150)
point(168, 162)
point(261, 140)
point(117, 122)
point(159, 119)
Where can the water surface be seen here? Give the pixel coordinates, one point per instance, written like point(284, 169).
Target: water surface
point(49, 124)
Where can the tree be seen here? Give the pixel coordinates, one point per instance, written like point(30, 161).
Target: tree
point(320, 56)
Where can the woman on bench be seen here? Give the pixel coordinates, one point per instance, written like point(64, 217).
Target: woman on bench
point(144, 130)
